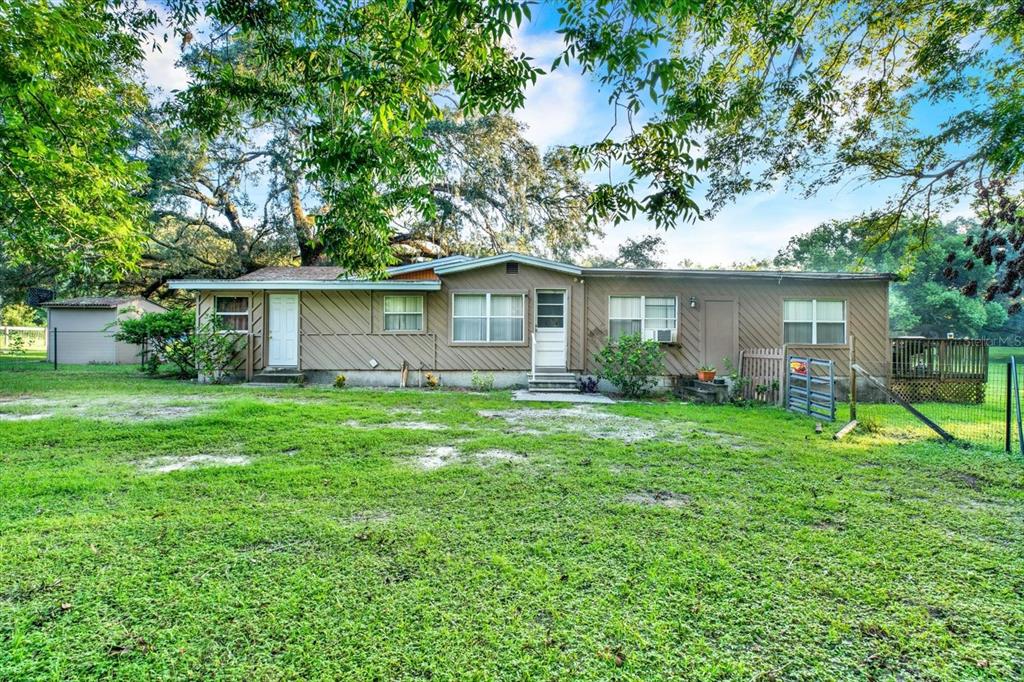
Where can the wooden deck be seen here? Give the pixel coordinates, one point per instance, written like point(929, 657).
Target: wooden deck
point(942, 370)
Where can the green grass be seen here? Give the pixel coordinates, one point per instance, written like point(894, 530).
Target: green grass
point(334, 555)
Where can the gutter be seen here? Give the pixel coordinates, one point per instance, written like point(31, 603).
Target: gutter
point(303, 285)
point(743, 274)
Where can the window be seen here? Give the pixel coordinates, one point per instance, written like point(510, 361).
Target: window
point(635, 314)
point(550, 309)
point(814, 322)
point(233, 312)
point(490, 318)
point(403, 313)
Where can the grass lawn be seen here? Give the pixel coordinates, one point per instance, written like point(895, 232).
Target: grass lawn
point(157, 529)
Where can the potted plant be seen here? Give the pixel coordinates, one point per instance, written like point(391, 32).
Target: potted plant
point(706, 373)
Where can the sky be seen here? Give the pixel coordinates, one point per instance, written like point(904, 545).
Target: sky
point(567, 107)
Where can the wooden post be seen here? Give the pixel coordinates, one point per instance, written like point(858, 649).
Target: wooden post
point(1009, 403)
point(853, 378)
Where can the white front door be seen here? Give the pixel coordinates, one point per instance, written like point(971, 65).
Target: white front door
point(283, 344)
point(550, 329)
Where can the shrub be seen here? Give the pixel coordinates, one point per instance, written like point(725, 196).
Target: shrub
point(869, 424)
point(432, 380)
point(17, 346)
point(482, 382)
point(632, 364)
point(737, 382)
point(169, 335)
point(587, 384)
point(215, 349)
point(172, 337)
point(339, 380)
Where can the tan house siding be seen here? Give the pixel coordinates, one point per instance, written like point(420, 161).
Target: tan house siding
point(759, 304)
point(344, 330)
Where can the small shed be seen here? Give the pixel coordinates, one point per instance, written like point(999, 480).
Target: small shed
point(81, 329)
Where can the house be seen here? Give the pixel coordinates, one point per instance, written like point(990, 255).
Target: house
point(81, 329)
point(512, 315)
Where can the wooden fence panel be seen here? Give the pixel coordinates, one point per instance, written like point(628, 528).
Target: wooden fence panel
point(765, 368)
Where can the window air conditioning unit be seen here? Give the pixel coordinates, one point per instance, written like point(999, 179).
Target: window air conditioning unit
point(661, 335)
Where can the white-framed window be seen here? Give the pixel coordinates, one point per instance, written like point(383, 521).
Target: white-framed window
point(403, 313)
point(637, 314)
point(233, 312)
point(814, 321)
point(488, 318)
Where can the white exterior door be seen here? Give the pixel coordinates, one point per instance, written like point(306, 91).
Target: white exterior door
point(283, 332)
point(550, 329)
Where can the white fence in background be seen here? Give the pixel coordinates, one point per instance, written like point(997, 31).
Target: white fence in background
point(23, 338)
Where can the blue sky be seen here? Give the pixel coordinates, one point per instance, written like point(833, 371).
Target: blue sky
point(566, 107)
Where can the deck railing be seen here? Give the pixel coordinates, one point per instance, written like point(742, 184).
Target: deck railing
point(939, 359)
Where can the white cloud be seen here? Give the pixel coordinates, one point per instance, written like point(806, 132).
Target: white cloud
point(559, 107)
point(160, 65)
point(161, 69)
point(554, 109)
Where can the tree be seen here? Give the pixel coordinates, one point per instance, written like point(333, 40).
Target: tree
point(922, 302)
point(812, 93)
point(66, 96)
point(21, 315)
point(635, 253)
point(365, 81)
point(496, 193)
point(229, 205)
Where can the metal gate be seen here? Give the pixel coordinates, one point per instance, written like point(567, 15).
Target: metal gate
point(811, 387)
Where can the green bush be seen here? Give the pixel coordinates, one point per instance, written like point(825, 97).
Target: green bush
point(482, 382)
point(632, 364)
point(170, 335)
point(339, 380)
point(215, 350)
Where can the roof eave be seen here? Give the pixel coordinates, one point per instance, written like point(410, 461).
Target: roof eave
point(520, 258)
point(751, 274)
point(425, 265)
point(303, 285)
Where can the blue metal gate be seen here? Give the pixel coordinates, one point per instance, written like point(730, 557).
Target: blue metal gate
point(811, 387)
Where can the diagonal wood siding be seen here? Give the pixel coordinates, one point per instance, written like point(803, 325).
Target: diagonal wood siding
point(344, 330)
point(760, 315)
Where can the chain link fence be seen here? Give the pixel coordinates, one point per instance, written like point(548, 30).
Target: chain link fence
point(962, 388)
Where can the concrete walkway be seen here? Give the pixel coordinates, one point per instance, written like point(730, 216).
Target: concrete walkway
point(523, 395)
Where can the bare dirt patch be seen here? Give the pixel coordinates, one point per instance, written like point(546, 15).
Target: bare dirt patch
point(120, 409)
point(580, 420)
point(437, 456)
point(407, 425)
point(168, 463)
point(968, 480)
point(371, 516)
point(500, 456)
point(15, 417)
point(657, 498)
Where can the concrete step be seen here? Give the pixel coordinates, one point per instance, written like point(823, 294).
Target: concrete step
point(279, 376)
point(553, 389)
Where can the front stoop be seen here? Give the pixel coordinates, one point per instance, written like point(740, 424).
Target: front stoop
point(279, 376)
point(701, 391)
point(553, 382)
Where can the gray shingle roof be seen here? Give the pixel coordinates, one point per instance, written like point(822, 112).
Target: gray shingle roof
point(306, 273)
point(90, 302)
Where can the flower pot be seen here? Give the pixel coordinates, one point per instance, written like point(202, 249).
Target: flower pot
point(706, 376)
